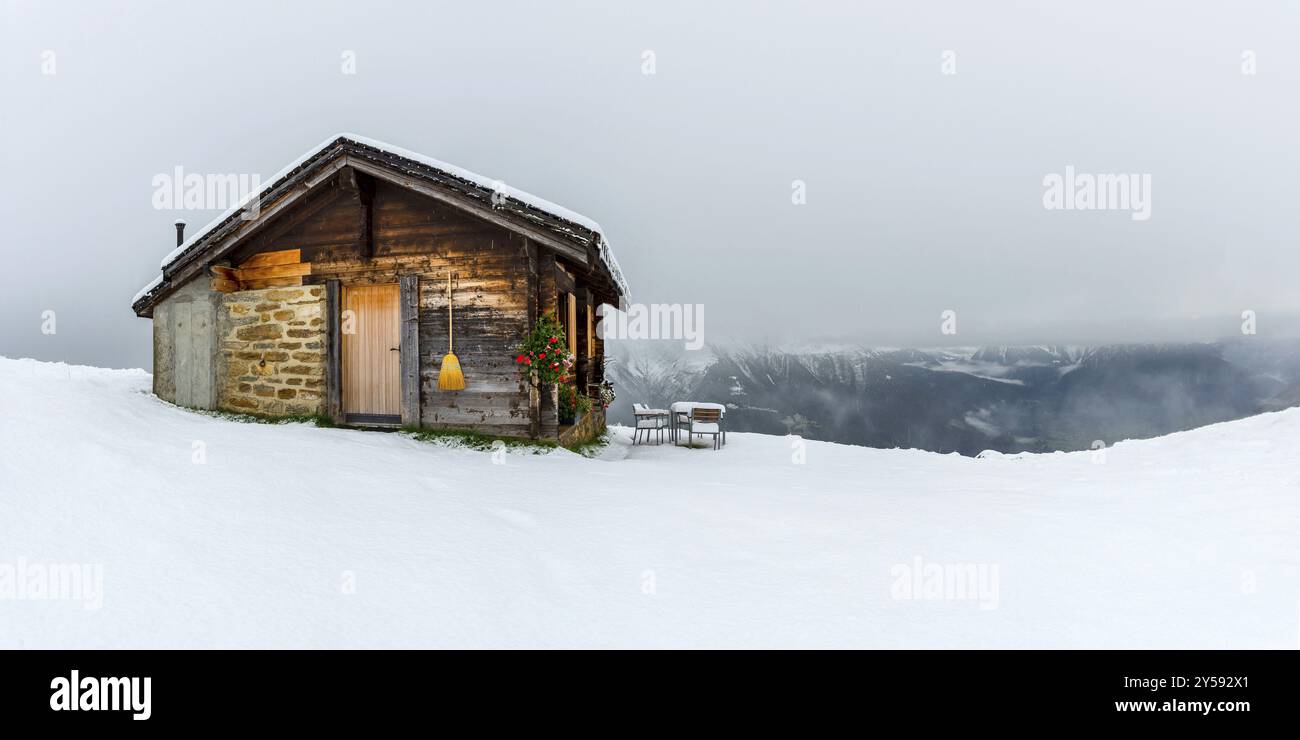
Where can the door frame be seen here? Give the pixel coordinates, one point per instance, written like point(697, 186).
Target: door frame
point(408, 363)
point(364, 362)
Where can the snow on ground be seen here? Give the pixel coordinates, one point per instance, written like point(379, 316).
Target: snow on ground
point(1190, 540)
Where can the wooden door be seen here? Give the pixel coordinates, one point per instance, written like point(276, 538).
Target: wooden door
point(371, 356)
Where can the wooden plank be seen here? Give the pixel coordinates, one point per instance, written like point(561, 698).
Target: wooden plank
point(548, 304)
point(589, 319)
point(530, 267)
point(533, 307)
point(547, 293)
point(224, 272)
point(221, 285)
point(564, 281)
point(366, 225)
point(552, 242)
point(283, 282)
point(571, 325)
point(410, 360)
point(348, 180)
point(333, 376)
point(234, 232)
point(244, 274)
point(278, 257)
point(307, 212)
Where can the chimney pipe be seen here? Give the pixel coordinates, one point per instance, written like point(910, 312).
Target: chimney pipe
point(180, 232)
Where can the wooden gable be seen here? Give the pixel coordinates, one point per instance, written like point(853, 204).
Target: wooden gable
point(333, 190)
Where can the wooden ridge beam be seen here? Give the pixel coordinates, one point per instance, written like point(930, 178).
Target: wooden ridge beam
point(541, 236)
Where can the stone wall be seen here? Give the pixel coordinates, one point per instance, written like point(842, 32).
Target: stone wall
point(586, 429)
point(272, 358)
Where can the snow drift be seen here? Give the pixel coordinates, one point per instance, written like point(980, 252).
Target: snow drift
point(213, 533)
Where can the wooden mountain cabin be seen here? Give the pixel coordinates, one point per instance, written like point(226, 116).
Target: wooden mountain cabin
point(328, 295)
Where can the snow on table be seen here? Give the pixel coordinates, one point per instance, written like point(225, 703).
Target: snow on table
point(295, 536)
point(685, 407)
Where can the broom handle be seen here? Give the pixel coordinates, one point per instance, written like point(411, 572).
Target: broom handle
point(449, 344)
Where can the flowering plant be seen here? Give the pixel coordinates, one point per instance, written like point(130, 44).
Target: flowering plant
point(572, 404)
point(606, 394)
point(544, 358)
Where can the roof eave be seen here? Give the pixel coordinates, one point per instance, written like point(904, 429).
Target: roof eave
point(580, 235)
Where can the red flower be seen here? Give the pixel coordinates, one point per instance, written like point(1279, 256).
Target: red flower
point(520, 358)
point(554, 340)
point(542, 356)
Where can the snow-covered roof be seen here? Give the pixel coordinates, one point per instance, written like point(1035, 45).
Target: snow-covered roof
point(474, 179)
point(146, 290)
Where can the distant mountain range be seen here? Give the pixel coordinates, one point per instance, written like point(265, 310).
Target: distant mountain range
point(966, 400)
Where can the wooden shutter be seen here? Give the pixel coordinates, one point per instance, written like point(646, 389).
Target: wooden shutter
point(591, 331)
point(572, 329)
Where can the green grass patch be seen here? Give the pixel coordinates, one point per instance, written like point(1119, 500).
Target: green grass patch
point(478, 441)
point(320, 420)
point(591, 447)
point(485, 442)
point(447, 437)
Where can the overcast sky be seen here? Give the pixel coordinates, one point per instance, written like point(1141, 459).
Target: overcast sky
point(924, 189)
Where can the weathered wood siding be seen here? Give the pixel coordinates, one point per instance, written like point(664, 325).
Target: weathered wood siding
point(410, 346)
point(412, 235)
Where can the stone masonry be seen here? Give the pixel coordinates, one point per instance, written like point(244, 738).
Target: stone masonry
point(272, 351)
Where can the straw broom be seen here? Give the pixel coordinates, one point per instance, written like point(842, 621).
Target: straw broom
point(450, 377)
